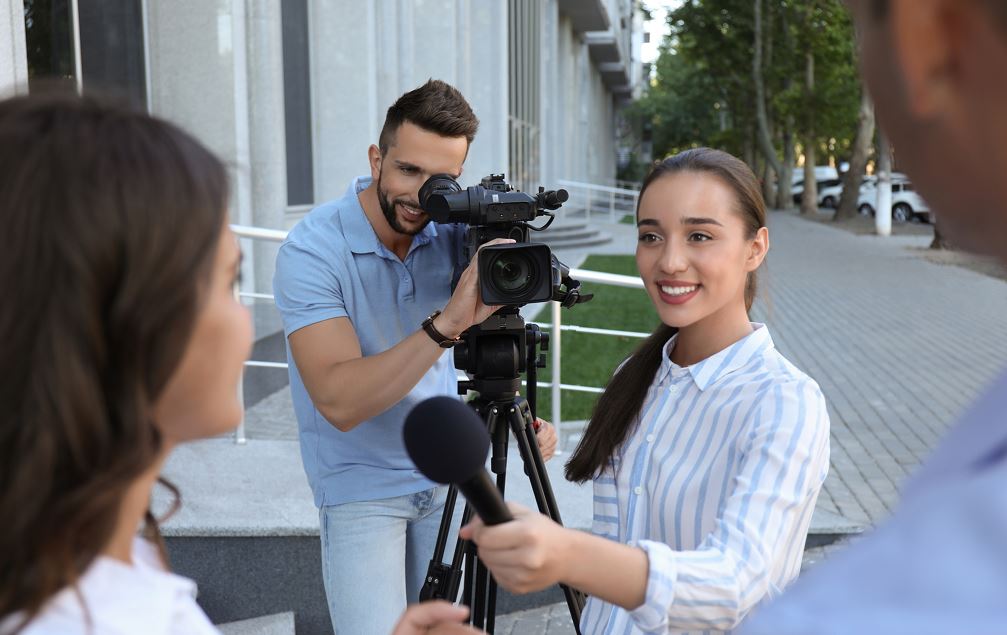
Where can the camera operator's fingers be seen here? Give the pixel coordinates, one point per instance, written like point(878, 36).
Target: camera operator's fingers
point(547, 438)
point(465, 307)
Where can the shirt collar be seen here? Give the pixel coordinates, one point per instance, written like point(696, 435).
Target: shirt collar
point(360, 235)
point(707, 372)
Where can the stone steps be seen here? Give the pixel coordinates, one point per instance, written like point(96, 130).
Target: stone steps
point(571, 235)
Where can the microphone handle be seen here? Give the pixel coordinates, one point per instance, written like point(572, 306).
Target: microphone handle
point(483, 495)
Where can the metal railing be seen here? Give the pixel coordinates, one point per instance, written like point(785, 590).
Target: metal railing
point(590, 198)
point(556, 327)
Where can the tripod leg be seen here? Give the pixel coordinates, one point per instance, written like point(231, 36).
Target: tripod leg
point(442, 580)
point(521, 423)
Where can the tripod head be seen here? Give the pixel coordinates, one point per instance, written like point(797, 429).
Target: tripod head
point(497, 351)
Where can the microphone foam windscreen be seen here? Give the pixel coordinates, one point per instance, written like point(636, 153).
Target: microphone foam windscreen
point(446, 439)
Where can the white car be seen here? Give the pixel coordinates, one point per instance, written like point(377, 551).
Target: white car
point(907, 204)
point(830, 195)
point(825, 176)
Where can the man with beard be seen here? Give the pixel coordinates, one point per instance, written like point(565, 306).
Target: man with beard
point(935, 69)
point(364, 287)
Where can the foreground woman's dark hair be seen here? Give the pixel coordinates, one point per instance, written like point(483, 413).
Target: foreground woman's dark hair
point(108, 226)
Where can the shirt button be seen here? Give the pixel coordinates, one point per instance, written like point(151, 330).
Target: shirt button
point(673, 388)
point(638, 490)
point(650, 438)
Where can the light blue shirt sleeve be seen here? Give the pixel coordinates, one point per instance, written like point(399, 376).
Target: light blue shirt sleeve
point(306, 287)
point(786, 459)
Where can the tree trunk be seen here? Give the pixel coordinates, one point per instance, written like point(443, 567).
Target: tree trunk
point(785, 182)
point(809, 199)
point(768, 191)
point(762, 119)
point(939, 242)
point(861, 148)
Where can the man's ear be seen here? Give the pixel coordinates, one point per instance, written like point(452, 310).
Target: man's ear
point(374, 159)
point(758, 249)
point(926, 36)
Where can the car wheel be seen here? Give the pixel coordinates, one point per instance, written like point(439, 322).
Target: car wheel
point(829, 202)
point(866, 209)
point(902, 213)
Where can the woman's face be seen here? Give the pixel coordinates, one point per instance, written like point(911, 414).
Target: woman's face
point(693, 254)
point(201, 397)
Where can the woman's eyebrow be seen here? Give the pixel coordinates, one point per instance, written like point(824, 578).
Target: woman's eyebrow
point(646, 222)
point(695, 220)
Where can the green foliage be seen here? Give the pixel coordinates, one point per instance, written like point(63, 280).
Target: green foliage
point(704, 93)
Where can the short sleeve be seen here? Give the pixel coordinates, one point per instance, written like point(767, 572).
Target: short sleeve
point(306, 287)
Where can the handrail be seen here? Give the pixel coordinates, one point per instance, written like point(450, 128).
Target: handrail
point(556, 326)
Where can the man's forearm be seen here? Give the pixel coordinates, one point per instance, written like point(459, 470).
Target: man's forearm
point(359, 389)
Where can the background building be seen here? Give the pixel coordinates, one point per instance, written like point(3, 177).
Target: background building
point(292, 93)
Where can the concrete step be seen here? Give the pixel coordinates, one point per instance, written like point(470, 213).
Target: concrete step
point(580, 242)
point(279, 624)
point(550, 236)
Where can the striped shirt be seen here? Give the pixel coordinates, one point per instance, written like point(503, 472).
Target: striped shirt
point(717, 482)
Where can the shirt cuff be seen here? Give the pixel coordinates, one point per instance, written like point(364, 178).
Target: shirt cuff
point(652, 615)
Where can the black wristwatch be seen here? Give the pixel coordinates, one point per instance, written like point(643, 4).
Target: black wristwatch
point(438, 337)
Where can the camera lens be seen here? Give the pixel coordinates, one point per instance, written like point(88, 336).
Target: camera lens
point(511, 272)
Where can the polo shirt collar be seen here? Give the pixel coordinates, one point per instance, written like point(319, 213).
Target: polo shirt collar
point(707, 372)
point(360, 235)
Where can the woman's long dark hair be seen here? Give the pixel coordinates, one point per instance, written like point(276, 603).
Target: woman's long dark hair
point(619, 406)
point(109, 221)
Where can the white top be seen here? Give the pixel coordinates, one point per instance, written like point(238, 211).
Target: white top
point(717, 482)
point(123, 599)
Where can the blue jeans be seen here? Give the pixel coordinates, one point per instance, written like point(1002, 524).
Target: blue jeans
point(375, 556)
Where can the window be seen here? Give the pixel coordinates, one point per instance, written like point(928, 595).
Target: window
point(297, 103)
point(523, 106)
point(109, 37)
point(49, 42)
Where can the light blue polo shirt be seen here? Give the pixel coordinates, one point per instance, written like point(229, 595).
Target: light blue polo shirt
point(333, 265)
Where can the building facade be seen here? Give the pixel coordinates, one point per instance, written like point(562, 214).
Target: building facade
point(291, 93)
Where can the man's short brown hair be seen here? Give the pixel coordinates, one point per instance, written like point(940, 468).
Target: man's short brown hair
point(436, 107)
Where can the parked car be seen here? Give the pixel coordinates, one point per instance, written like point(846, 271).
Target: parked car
point(825, 176)
point(828, 195)
point(907, 204)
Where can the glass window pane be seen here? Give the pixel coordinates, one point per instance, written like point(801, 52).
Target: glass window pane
point(48, 42)
point(297, 103)
point(111, 48)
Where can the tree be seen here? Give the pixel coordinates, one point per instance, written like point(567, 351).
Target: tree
point(858, 161)
point(709, 90)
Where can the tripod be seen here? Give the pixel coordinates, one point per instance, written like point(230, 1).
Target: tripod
point(494, 354)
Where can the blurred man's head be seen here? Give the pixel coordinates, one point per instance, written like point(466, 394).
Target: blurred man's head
point(937, 70)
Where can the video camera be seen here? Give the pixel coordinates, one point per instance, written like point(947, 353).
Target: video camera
point(517, 274)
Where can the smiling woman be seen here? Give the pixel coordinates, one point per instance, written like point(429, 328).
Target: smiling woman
point(707, 449)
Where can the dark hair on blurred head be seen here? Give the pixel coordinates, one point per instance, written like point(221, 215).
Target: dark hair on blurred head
point(109, 221)
point(618, 407)
point(436, 107)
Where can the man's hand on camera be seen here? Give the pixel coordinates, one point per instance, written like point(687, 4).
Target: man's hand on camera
point(466, 307)
point(545, 433)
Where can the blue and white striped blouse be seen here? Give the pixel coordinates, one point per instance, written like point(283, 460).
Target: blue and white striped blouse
point(717, 482)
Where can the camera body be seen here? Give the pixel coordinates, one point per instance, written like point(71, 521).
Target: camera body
point(514, 274)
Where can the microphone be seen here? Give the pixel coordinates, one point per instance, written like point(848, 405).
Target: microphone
point(449, 443)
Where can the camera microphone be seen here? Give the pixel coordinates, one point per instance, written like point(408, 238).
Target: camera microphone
point(449, 443)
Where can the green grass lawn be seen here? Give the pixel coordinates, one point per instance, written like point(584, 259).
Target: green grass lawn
point(588, 359)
